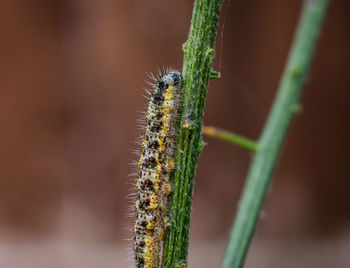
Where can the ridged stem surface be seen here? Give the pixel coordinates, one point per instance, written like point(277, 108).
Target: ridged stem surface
point(198, 56)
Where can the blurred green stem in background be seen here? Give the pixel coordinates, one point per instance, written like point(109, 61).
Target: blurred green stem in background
point(198, 56)
point(274, 132)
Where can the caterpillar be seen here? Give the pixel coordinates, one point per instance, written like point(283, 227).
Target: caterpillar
point(154, 167)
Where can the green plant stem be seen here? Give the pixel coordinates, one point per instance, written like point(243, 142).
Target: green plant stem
point(198, 56)
point(275, 130)
point(230, 137)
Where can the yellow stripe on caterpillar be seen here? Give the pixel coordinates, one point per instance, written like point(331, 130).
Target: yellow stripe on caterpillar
point(154, 168)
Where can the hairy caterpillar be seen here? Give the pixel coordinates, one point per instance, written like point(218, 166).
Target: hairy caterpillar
point(154, 168)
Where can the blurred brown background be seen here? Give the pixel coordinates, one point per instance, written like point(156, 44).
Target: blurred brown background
point(71, 83)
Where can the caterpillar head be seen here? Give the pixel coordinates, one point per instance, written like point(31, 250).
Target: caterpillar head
point(172, 78)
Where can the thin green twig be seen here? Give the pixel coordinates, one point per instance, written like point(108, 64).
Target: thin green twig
point(198, 56)
point(230, 137)
point(275, 130)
